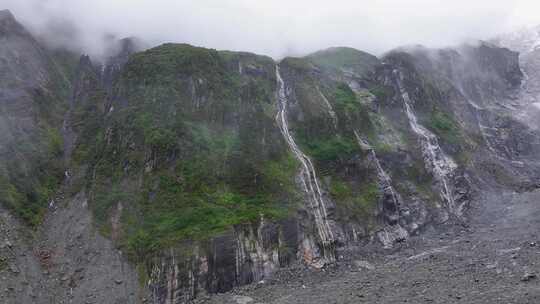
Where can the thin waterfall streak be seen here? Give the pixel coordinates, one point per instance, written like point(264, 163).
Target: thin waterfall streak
point(381, 173)
point(441, 165)
point(308, 174)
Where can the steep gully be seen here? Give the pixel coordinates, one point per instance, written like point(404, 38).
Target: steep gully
point(317, 247)
point(308, 178)
point(391, 200)
point(167, 284)
point(492, 260)
point(103, 276)
point(250, 253)
point(436, 161)
point(382, 176)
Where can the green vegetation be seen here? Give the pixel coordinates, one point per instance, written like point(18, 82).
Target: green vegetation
point(368, 196)
point(31, 164)
point(346, 100)
point(279, 173)
point(381, 92)
point(352, 113)
point(193, 151)
point(382, 148)
point(160, 139)
point(56, 142)
point(298, 64)
point(334, 147)
point(89, 132)
point(340, 190)
point(343, 57)
point(444, 126)
point(331, 149)
point(355, 204)
point(66, 62)
point(327, 146)
point(204, 196)
point(29, 181)
point(28, 199)
point(161, 64)
point(12, 198)
point(105, 200)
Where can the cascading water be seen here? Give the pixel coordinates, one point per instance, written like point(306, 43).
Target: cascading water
point(435, 159)
point(384, 180)
point(393, 232)
point(308, 176)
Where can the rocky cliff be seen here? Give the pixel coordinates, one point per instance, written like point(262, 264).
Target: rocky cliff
point(165, 174)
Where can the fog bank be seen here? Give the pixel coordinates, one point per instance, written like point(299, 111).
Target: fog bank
point(272, 27)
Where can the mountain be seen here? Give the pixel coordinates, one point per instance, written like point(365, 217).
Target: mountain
point(526, 41)
point(167, 174)
point(33, 102)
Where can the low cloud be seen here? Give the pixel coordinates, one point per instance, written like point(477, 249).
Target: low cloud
point(272, 27)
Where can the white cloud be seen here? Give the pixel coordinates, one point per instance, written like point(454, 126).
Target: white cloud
point(278, 27)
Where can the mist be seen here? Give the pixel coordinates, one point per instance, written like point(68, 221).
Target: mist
point(271, 27)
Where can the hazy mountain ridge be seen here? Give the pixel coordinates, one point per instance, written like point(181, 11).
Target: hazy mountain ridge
point(212, 169)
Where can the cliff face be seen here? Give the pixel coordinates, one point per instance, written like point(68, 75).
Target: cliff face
point(179, 171)
point(32, 104)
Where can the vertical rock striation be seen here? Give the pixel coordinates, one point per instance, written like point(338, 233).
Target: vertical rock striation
point(321, 250)
point(436, 161)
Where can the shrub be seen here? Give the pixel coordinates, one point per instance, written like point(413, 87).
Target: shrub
point(381, 92)
point(331, 149)
point(55, 142)
point(445, 127)
point(346, 99)
point(358, 203)
point(351, 111)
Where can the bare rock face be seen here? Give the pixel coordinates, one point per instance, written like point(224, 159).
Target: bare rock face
point(246, 255)
point(439, 149)
point(32, 102)
point(68, 261)
point(64, 259)
point(20, 270)
point(9, 24)
point(83, 264)
point(164, 175)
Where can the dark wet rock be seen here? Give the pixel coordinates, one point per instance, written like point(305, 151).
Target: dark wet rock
point(392, 152)
point(528, 277)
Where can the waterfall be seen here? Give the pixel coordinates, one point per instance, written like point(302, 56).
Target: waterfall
point(308, 176)
point(435, 159)
point(393, 232)
point(384, 180)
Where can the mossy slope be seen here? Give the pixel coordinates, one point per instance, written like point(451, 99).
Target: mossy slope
point(191, 148)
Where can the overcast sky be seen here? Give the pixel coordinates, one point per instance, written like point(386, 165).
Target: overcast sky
point(275, 27)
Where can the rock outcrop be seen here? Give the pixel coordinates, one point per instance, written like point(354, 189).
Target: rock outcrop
point(166, 174)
